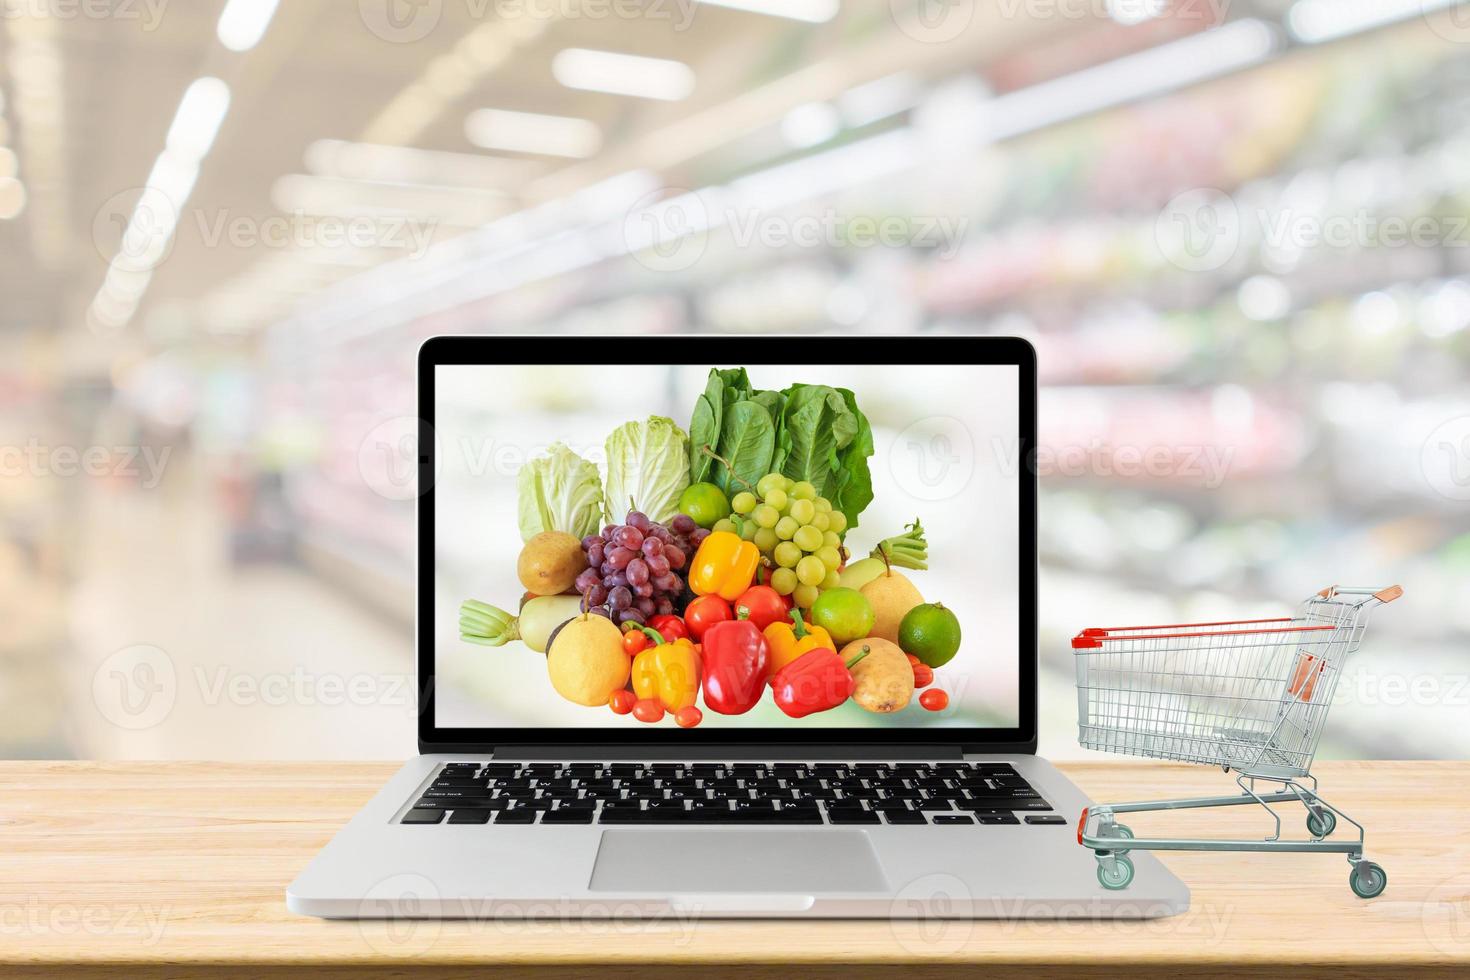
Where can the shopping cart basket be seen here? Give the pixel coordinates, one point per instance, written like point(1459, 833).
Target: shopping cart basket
point(1246, 695)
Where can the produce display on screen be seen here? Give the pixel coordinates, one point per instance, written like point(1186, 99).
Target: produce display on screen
point(718, 561)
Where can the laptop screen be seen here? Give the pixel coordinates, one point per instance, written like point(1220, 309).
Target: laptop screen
point(629, 545)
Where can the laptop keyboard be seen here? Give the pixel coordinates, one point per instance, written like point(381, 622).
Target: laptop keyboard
point(634, 793)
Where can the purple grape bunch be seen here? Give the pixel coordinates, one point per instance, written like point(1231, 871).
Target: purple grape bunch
point(635, 569)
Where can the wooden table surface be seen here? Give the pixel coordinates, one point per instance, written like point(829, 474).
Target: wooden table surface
point(180, 869)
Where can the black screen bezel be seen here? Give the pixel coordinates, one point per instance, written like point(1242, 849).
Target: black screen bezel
point(716, 350)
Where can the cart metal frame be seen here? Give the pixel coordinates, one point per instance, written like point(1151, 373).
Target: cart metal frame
point(1247, 695)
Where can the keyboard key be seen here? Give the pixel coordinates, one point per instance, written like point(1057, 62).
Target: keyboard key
point(933, 805)
point(518, 815)
point(567, 816)
point(903, 816)
point(995, 819)
point(470, 816)
point(423, 816)
point(852, 815)
point(952, 818)
point(1047, 818)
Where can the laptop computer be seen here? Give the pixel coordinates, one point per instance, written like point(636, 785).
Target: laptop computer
point(807, 730)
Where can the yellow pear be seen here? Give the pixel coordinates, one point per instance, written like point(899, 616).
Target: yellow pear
point(891, 595)
point(586, 661)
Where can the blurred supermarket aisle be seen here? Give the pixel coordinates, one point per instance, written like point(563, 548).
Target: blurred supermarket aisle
point(178, 652)
point(1235, 232)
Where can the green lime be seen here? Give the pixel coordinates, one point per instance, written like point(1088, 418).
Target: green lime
point(930, 632)
point(705, 504)
point(845, 613)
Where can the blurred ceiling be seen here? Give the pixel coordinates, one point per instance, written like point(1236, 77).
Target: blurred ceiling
point(88, 103)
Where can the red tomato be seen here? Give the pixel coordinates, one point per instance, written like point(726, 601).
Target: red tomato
point(635, 641)
point(688, 717)
point(923, 675)
point(765, 605)
point(649, 710)
point(622, 702)
point(671, 628)
point(705, 612)
point(934, 699)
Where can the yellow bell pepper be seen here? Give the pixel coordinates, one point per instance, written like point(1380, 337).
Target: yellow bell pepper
point(789, 641)
point(724, 566)
point(667, 672)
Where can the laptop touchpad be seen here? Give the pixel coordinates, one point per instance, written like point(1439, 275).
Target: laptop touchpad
point(674, 860)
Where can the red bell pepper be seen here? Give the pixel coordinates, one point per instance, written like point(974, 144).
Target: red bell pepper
point(818, 680)
point(736, 657)
point(670, 627)
point(765, 605)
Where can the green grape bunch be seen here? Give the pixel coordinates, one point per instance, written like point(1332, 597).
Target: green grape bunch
point(797, 530)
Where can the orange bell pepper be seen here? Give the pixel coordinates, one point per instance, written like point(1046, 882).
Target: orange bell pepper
point(724, 566)
point(788, 641)
point(667, 672)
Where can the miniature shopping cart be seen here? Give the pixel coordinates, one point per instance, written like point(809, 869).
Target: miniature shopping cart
point(1246, 695)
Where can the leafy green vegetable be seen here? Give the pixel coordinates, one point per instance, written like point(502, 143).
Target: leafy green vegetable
point(855, 484)
point(647, 468)
point(818, 425)
point(558, 492)
point(724, 389)
point(746, 443)
point(807, 432)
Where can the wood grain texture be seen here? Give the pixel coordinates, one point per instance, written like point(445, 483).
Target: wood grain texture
point(179, 869)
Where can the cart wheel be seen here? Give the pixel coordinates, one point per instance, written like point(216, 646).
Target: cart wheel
point(1125, 831)
point(1122, 874)
point(1367, 879)
point(1321, 825)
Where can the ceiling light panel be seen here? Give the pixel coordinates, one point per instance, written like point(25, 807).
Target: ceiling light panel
point(623, 74)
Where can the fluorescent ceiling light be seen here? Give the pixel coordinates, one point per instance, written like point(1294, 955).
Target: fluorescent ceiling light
point(810, 11)
point(879, 99)
point(243, 23)
point(198, 119)
point(173, 177)
point(623, 74)
point(530, 132)
point(12, 198)
point(410, 165)
point(356, 198)
point(1130, 12)
point(810, 125)
point(1165, 68)
point(1315, 21)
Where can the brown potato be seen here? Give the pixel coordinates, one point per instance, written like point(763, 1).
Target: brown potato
point(885, 680)
point(550, 563)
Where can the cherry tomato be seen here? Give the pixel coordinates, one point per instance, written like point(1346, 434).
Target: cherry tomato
point(765, 605)
point(688, 717)
point(923, 675)
point(635, 641)
point(649, 710)
point(934, 699)
point(705, 612)
point(622, 702)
